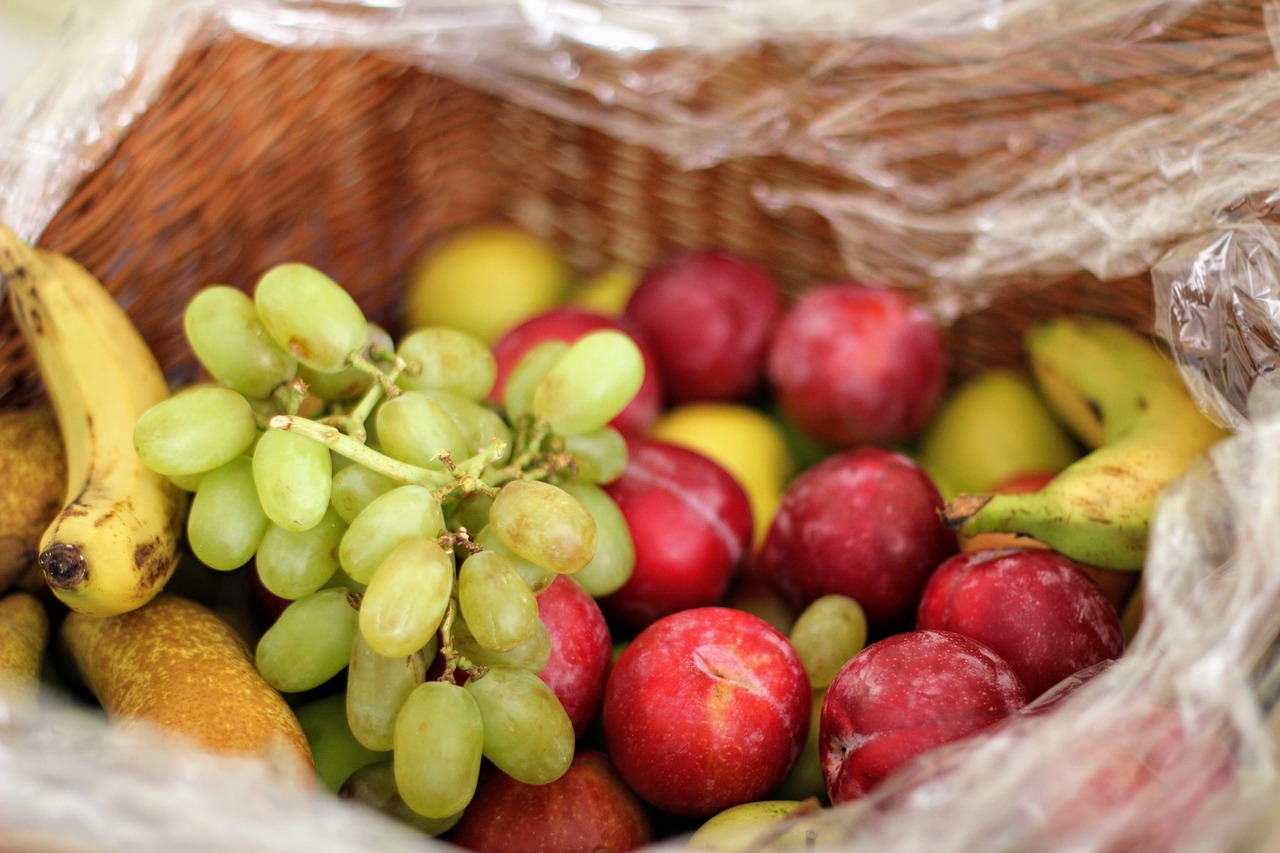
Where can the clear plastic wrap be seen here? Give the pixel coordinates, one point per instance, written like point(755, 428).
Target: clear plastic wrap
point(1113, 137)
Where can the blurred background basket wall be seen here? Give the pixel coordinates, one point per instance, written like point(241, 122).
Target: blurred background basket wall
point(995, 165)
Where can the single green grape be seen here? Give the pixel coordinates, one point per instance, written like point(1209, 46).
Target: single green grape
point(438, 745)
point(407, 597)
point(526, 374)
point(498, 605)
point(590, 384)
point(350, 382)
point(354, 487)
point(448, 359)
point(601, 455)
point(544, 524)
point(533, 654)
point(615, 556)
point(227, 336)
point(406, 512)
point(294, 476)
point(377, 686)
point(310, 315)
point(294, 563)
point(310, 641)
point(195, 430)
point(479, 424)
point(374, 785)
point(536, 577)
point(226, 523)
point(416, 429)
point(334, 749)
point(527, 732)
point(828, 632)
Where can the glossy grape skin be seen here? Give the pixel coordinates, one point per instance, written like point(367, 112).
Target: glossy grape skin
point(590, 383)
point(292, 564)
point(194, 431)
point(405, 512)
point(414, 428)
point(527, 733)
point(222, 326)
point(544, 524)
point(438, 745)
point(310, 315)
point(447, 359)
point(407, 597)
point(294, 477)
point(377, 687)
point(615, 553)
point(310, 642)
point(498, 605)
point(827, 634)
point(226, 523)
point(354, 488)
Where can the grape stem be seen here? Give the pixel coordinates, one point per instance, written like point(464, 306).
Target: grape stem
point(454, 659)
point(352, 422)
point(464, 476)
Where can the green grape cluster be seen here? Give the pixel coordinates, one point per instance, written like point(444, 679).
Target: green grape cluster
point(409, 521)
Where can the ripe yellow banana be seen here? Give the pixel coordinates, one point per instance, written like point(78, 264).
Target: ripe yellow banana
point(116, 542)
point(1125, 398)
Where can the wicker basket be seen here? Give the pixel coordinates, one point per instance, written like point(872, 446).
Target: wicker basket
point(356, 161)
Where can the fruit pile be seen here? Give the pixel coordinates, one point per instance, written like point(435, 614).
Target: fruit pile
point(569, 564)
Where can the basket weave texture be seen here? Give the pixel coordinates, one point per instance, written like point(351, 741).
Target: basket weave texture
point(356, 162)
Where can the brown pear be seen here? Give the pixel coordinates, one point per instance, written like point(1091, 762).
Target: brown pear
point(177, 665)
point(33, 485)
point(24, 637)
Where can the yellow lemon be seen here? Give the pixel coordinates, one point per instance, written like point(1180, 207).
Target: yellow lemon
point(747, 442)
point(608, 291)
point(485, 280)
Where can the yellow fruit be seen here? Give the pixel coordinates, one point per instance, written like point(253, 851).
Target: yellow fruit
point(748, 825)
point(176, 665)
point(484, 280)
point(991, 428)
point(747, 442)
point(608, 291)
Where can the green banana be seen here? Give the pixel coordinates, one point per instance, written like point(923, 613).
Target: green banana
point(116, 541)
point(1124, 398)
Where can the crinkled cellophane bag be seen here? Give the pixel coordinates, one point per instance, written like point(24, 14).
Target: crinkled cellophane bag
point(1005, 161)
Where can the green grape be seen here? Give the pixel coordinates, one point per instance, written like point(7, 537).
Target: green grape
point(414, 428)
point(544, 524)
point(467, 512)
point(406, 512)
point(310, 641)
point(226, 523)
point(438, 745)
point(533, 654)
point(536, 577)
point(228, 338)
point(294, 476)
point(334, 749)
point(407, 597)
point(590, 383)
point(600, 455)
point(294, 563)
point(374, 785)
point(826, 634)
point(377, 686)
point(527, 732)
point(615, 556)
point(310, 315)
point(527, 373)
point(448, 359)
point(354, 487)
point(498, 605)
point(195, 430)
point(188, 482)
point(351, 381)
point(479, 424)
